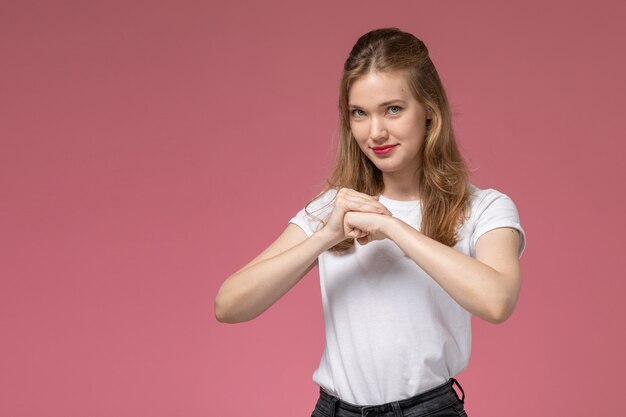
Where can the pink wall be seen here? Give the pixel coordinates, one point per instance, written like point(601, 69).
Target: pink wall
point(149, 149)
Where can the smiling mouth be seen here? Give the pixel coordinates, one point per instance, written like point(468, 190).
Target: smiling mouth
point(381, 150)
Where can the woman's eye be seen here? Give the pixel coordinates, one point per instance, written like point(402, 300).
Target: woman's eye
point(394, 109)
point(357, 112)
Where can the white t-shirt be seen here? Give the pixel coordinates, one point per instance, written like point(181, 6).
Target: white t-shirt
point(391, 331)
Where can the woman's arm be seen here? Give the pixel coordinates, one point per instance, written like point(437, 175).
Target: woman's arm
point(487, 286)
point(254, 288)
point(258, 285)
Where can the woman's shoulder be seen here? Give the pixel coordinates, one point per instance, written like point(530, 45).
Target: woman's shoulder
point(484, 196)
point(489, 202)
point(492, 209)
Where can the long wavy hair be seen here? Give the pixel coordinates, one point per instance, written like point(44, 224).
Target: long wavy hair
point(443, 175)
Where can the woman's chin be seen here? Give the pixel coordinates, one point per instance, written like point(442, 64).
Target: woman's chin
point(386, 168)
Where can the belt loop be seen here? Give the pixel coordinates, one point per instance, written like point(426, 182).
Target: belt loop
point(454, 381)
point(397, 411)
point(333, 406)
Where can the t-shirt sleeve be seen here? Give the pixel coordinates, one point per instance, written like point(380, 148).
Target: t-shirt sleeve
point(496, 210)
point(310, 218)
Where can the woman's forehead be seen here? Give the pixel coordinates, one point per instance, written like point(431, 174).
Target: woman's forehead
point(379, 87)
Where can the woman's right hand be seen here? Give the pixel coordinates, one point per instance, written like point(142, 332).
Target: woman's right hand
point(347, 200)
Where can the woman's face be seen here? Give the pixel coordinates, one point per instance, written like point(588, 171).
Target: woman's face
point(388, 123)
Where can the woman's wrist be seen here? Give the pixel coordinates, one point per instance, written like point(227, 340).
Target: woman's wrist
point(327, 239)
point(391, 226)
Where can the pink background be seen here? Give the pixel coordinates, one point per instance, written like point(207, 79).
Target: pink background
point(151, 148)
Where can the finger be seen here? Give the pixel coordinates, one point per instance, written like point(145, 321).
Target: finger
point(363, 240)
point(369, 207)
point(350, 191)
point(351, 200)
point(356, 233)
point(349, 230)
point(358, 203)
point(386, 209)
point(356, 196)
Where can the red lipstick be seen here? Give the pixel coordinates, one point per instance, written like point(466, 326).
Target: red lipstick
point(382, 150)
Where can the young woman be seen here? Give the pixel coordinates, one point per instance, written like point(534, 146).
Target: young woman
point(407, 248)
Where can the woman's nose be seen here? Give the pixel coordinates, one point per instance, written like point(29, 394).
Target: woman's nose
point(377, 129)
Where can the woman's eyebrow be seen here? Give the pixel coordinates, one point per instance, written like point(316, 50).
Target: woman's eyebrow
point(386, 103)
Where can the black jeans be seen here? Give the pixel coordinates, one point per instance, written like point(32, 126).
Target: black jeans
point(441, 401)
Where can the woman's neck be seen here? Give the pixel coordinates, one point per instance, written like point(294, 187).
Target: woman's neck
point(401, 187)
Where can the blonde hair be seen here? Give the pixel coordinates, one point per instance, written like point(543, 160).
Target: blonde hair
point(443, 175)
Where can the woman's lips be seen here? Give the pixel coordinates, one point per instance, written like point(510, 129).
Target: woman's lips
point(382, 150)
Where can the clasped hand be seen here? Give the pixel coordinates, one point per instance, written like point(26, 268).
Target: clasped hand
point(359, 216)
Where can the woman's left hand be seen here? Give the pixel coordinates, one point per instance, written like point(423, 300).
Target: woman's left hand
point(366, 227)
